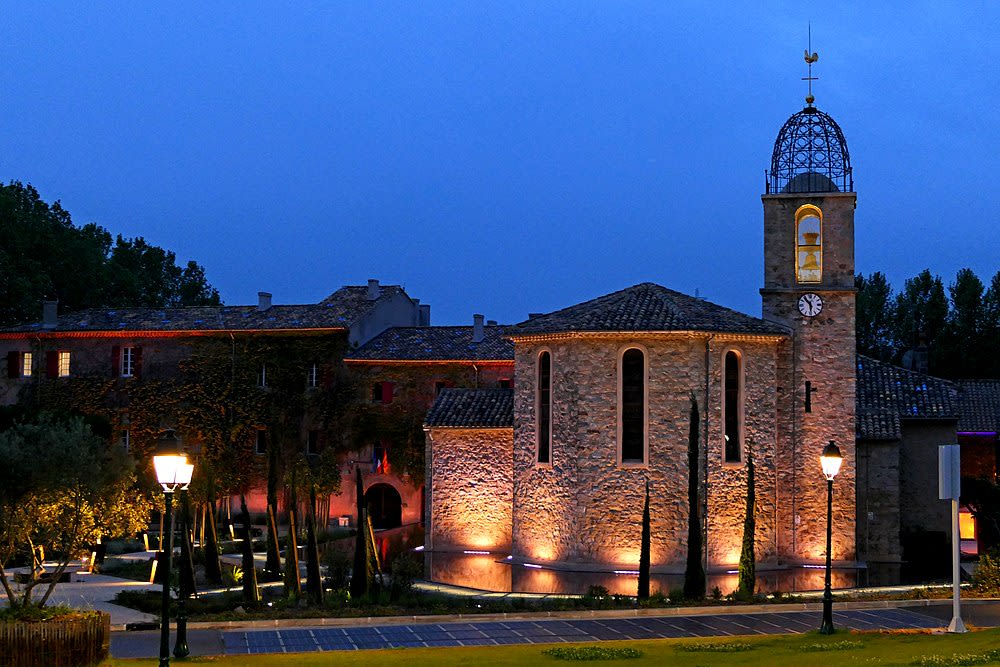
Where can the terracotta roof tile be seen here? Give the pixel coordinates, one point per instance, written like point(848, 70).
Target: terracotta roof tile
point(472, 408)
point(433, 343)
point(647, 307)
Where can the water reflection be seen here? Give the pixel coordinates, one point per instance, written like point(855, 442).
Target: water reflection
point(493, 573)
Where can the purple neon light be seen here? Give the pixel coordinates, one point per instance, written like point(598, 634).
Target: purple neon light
point(977, 433)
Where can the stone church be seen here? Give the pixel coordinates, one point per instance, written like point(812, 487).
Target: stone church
point(553, 472)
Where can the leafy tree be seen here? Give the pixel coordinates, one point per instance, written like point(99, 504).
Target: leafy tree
point(747, 579)
point(44, 255)
point(61, 488)
point(643, 593)
point(991, 328)
point(962, 343)
point(921, 311)
point(874, 319)
point(694, 573)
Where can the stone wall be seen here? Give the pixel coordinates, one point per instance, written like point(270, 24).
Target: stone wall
point(920, 508)
point(470, 492)
point(878, 502)
point(585, 506)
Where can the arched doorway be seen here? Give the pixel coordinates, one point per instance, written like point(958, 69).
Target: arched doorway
point(385, 506)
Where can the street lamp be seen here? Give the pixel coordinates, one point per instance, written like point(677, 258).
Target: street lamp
point(831, 460)
point(172, 472)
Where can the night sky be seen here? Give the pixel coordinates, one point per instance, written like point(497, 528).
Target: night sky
point(501, 158)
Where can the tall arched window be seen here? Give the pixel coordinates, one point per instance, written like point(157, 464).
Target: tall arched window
point(732, 407)
point(544, 407)
point(632, 406)
point(808, 244)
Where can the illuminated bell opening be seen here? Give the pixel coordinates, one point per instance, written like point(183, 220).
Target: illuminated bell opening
point(831, 460)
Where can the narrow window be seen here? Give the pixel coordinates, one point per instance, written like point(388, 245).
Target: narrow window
point(312, 443)
point(312, 377)
point(544, 407)
point(126, 440)
point(382, 392)
point(262, 376)
point(633, 407)
point(63, 368)
point(260, 444)
point(128, 362)
point(732, 406)
point(809, 244)
point(26, 363)
point(438, 386)
point(504, 383)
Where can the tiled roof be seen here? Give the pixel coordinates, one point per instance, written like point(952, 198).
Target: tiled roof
point(887, 394)
point(202, 318)
point(339, 310)
point(979, 406)
point(472, 408)
point(352, 303)
point(646, 307)
point(434, 343)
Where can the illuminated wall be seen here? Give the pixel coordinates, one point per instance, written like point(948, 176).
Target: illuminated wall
point(470, 483)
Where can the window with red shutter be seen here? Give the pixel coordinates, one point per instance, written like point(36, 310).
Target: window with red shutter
point(387, 389)
point(136, 361)
point(52, 364)
point(116, 360)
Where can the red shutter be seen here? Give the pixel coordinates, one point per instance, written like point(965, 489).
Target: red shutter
point(137, 361)
point(13, 363)
point(52, 364)
point(116, 361)
point(386, 393)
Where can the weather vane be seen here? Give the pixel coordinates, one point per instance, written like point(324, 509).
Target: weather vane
point(810, 59)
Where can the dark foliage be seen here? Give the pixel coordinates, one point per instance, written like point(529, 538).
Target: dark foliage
point(694, 573)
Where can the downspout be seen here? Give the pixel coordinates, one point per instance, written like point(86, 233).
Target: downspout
point(704, 502)
point(475, 382)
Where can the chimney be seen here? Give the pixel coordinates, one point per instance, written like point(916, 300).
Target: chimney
point(425, 314)
point(50, 314)
point(263, 301)
point(477, 329)
point(491, 323)
point(374, 291)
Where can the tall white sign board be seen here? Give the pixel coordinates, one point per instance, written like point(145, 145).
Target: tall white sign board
point(950, 488)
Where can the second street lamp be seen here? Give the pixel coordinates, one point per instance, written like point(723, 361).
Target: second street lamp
point(172, 472)
point(830, 460)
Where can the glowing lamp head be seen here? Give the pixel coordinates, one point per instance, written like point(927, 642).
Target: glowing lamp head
point(831, 460)
point(172, 468)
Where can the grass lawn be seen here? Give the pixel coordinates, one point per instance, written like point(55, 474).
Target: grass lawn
point(842, 648)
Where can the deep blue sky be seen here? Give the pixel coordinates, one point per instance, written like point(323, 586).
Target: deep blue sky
point(498, 157)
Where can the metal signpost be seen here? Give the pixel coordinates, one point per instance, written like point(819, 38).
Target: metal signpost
point(950, 488)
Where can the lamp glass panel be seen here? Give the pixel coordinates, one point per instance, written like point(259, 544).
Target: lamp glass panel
point(167, 466)
point(831, 465)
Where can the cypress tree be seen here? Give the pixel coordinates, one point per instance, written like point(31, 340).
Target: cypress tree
point(359, 573)
point(644, 551)
point(748, 563)
point(694, 573)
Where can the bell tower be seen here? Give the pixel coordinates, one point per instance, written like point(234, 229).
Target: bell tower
point(809, 204)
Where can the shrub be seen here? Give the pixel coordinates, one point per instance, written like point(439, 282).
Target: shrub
point(405, 569)
point(716, 647)
point(338, 569)
point(587, 653)
point(987, 576)
point(716, 593)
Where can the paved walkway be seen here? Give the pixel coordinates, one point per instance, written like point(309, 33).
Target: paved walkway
point(612, 626)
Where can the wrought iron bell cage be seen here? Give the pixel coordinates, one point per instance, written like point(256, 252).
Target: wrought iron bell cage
point(810, 155)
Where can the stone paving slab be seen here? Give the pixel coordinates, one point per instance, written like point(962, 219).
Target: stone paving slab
point(554, 631)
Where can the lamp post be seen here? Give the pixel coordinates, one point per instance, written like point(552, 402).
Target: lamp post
point(172, 472)
point(181, 645)
point(831, 460)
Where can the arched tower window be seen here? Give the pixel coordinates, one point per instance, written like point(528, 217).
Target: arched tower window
point(632, 406)
point(544, 398)
point(732, 406)
point(808, 244)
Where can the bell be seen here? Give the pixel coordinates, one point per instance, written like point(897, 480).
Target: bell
point(810, 263)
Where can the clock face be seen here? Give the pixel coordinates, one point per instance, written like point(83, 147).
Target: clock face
point(810, 304)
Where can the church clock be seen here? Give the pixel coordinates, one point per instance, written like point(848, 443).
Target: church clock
point(810, 304)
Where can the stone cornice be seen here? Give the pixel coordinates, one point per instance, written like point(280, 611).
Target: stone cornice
point(646, 335)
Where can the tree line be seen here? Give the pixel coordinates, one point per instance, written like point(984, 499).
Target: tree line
point(43, 255)
point(958, 327)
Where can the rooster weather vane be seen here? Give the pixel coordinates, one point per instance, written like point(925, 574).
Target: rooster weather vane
point(810, 59)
